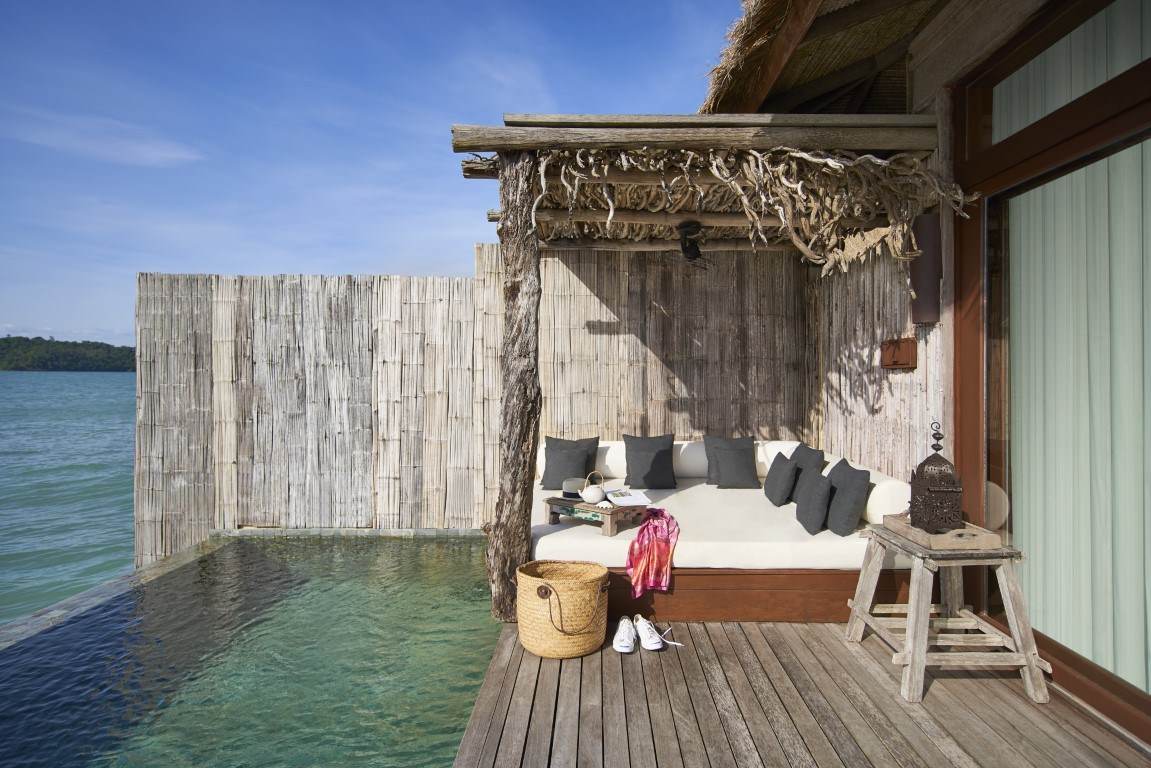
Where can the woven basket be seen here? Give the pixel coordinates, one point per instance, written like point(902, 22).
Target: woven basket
point(561, 607)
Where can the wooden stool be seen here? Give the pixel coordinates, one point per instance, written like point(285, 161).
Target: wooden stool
point(921, 630)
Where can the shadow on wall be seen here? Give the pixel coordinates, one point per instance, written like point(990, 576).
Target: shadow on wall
point(874, 416)
point(642, 343)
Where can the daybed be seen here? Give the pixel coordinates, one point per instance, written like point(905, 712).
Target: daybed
point(739, 557)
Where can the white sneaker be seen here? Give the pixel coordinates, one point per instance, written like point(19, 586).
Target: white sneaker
point(625, 634)
point(649, 636)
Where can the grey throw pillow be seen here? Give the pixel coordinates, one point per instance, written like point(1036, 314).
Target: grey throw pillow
point(849, 488)
point(567, 458)
point(736, 466)
point(649, 461)
point(810, 461)
point(711, 443)
point(814, 491)
point(780, 480)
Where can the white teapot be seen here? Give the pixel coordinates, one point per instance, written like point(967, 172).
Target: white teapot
point(593, 493)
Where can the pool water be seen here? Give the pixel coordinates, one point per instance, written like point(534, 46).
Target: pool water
point(349, 651)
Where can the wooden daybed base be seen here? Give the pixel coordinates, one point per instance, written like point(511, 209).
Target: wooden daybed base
point(729, 594)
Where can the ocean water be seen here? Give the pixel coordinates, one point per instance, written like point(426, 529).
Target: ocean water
point(321, 651)
point(66, 445)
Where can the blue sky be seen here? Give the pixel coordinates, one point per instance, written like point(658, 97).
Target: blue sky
point(264, 137)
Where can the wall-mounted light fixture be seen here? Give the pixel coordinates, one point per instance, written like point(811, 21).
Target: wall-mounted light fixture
point(926, 269)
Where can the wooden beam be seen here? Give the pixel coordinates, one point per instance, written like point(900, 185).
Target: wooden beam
point(479, 169)
point(653, 218)
point(837, 21)
point(754, 120)
point(763, 65)
point(853, 72)
point(509, 535)
point(478, 138)
point(632, 246)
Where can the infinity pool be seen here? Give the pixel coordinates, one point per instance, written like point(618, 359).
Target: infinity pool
point(349, 651)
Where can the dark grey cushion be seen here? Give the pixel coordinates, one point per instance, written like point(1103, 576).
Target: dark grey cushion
point(809, 460)
point(849, 488)
point(567, 458)
point(649, 461)
point(736, 466)
point(711, 443)
point(814, 492)
point(780, 482)
point(806, 456)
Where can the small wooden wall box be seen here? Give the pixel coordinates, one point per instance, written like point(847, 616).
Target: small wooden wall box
point(899, 354)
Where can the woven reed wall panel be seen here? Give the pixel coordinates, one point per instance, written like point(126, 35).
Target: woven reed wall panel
point(875, 417)
point(311, 402)
point(174, 475)
point(642, 343)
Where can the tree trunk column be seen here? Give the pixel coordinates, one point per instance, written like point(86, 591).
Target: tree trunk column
point(509, 535)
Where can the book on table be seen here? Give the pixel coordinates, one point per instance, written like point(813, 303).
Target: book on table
point(626, 497)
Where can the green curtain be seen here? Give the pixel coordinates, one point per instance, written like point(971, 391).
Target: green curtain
point(1079, 317)
point(1110, 42)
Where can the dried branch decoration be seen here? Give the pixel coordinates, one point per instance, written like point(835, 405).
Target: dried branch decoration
point(834, 208)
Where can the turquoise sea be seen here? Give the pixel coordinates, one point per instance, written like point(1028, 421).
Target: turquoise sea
point(65, 485)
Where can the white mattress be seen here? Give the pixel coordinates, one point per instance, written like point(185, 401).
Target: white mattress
point(719, 528)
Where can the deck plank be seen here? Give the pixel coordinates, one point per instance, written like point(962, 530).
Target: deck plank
point(691, 746)
point(565, 734)
point(766, 742)
point(1012, 722)
point(837, 733)
point(591, 737)
point(472, 743)
point(876, 735)
point(639, 739)
point(790, 740)
point(537, 746)
point(615, 751)
point(816, 740)
point(925, 742)
point(1087, 728)
point(500, 717)
point(738, 734)
point(707, 715)
point(667, 754)
point(511, 751)
point(999, 696)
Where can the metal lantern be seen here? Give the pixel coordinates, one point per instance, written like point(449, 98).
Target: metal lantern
point(936, 493)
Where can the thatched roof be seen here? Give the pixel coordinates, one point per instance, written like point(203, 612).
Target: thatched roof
point(849, 56)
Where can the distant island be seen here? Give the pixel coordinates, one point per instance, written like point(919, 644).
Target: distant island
point(20, 353)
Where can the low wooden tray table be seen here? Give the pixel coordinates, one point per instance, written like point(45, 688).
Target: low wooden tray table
point(921, 629)
point(580, 510)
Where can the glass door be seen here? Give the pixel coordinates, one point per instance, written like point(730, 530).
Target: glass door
point(1068, 415)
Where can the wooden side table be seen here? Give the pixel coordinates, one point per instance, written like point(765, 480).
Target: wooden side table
point(949, 629)
point(580, 510)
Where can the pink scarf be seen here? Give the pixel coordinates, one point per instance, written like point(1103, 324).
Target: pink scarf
point(649, 556)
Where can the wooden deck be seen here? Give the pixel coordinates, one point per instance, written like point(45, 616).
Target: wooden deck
point(738, 695)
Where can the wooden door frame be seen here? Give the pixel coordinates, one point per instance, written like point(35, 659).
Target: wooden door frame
point(1106, 119)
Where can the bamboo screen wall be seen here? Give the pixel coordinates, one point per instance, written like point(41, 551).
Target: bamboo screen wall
point(644, 344)
point(373, 402)
point(304, 402)
point(877, 418)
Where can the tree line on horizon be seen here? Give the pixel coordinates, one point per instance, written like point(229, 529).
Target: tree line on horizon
point(21, 353)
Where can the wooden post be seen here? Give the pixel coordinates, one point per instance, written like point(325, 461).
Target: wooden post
point(509, 535)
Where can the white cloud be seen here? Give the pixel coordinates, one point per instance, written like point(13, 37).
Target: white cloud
point(98, 138)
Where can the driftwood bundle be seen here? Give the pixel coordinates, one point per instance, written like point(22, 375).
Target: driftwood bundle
point(834, 208)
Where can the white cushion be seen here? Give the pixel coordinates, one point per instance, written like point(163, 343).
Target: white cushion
point(719, 528)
